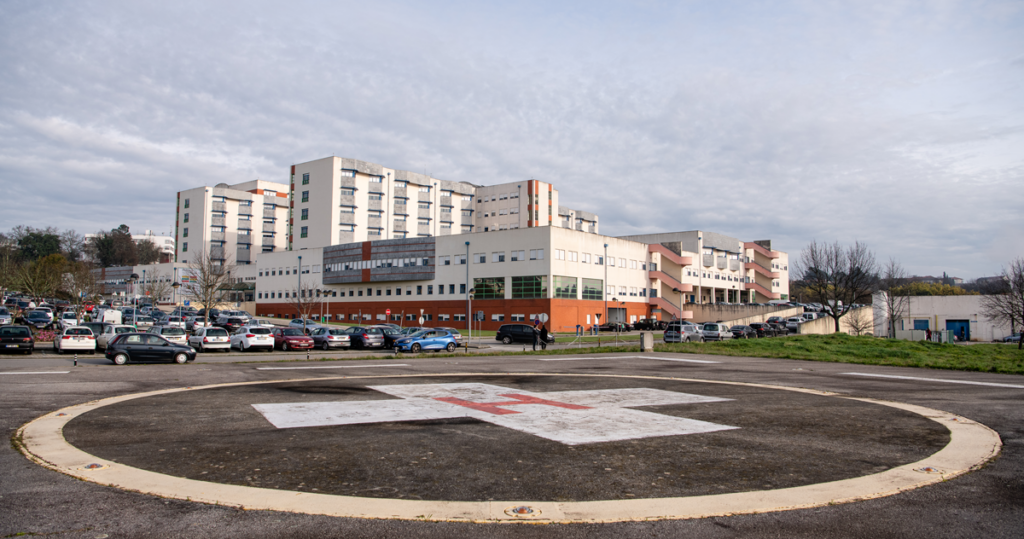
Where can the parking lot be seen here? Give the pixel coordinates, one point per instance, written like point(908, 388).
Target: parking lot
point(795, 427)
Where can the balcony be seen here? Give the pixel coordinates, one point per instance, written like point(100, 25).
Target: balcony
point(762, 270)
point(734, 264)
point(269, 227)
point(245, 210)
point(347, 200)
point(722, 262)
point(401, 226)
point(466, 204)
point(666, 253)
point(347, 182)
point(268, 242)
point(401, 192)
point(761, 290)
point(244, 239)
point(423, 229)
point(375, 204)
point(708, 260)
point(242, 255)
point(217, 221)
point(669, 280)
point(761, 250)
point(467, 220)
point(423, 213)
point(446, 201)
point(216, 236)
point(219, 207)
point(401, 209)
point(269, 213)
point(373, 222)
point(217, 253)
point(424, 197)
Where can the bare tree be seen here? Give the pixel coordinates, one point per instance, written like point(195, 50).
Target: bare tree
point(1008, 307)
point(306, 301)
point(156, 287)
point(80, 285)
point(859, 322)
point(838, 276)
point(41, 278)
point(206, 282)
point(892, 282)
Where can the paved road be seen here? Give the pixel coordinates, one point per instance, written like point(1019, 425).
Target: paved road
point(988, 502)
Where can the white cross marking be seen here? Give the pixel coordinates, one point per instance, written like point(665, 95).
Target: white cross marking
point(568, 417)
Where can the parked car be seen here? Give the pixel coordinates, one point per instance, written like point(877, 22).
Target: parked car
point(716, 332)
point(260, 322)
point(690, 333)
point(793, 323)
point(230, 323)
point(48, 311)
point(194, 323)
point(143, 323)
point(366, 337)
point(16, 338)
point(775, 320)
point(1012, 338)
point(109, 332)
point(291, 339)
point(171, 333)
point(309, 324)
point(645, 324)
point(207, 339)
point(390, 334)
point(247, 338)
point(763, 329)
point(456, 334)
point(328, 338)
point(743, 332)
point(510, 333)
point(214, 313)
point(147, 347)
point(74, 339)
point(615, 326)
point(68, 319)
point(37, 319)
point(780, 329)
point(432, 339)
point(412, 329)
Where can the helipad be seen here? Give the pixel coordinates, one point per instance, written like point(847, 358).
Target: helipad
point(508, 447)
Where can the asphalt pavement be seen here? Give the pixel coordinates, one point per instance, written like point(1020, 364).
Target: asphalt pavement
point(774, 440)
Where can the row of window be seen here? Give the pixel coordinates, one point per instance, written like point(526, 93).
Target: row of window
point(522, 287)
point(315, 268)
point(500, 196)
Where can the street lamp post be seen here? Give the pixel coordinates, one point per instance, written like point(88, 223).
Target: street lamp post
point(680, 292)
point(298, 294)
point(134, 279)
point(606, 320)
point(469, 300)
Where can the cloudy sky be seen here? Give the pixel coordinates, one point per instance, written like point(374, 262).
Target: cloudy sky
point(899, 124)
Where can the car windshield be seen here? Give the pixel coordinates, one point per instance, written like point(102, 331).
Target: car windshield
point(291, 332)
point(216, 332)
point(15, 332)
point(65, 316)
point(710, 327)
point(259, 331)
point(78, 331)
point(124, 330)
point(373, 331)
point(3, 310)
point(389, 331)
point(172, 331)
point(420, 334)
point(337, 332)
point(37, 314)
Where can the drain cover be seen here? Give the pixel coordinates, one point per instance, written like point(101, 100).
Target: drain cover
point(522, 511)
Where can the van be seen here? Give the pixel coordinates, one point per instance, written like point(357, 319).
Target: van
point(110, 316)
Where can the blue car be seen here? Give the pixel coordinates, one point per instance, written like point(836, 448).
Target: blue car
point(431, 339)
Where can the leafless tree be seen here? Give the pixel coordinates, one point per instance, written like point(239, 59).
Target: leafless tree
point(838, 276)
point(1008, 307)
point(156, 287)
point(207, 282)
point(41, 278)
point(306, 301)
point(80, 285)
point(859, 321)
point(892, 282)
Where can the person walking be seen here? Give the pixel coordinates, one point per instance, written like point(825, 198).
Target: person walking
point(536, 338)
point(928, 332)
point(543, 337)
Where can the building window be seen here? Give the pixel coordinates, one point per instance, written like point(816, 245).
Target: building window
point(440, 289)
point(348, 192)
point(419, 290)
point(446, 261)
point(186, 218)
point(184, 247)
point(347, 173)
point(592, 289)
point(451, 289)
point(489, 288)
point(497, 318)
point(305, 214)
point(443, 317)
point(305, 179)
point(565, 287)
point(305, 232)
point(462, 288)
point(559, 254)
point(398, 291)
point(460, 259)
point(536, 254)
point(460, 318)
point(530, 287)
point(305, 196)
point(480, 258)
point(518, 317)
point(430, 290)
point(498, 256)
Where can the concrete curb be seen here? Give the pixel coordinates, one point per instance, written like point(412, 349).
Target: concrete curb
point(971, 446)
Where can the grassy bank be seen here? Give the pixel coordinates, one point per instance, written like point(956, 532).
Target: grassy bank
point(841, 348)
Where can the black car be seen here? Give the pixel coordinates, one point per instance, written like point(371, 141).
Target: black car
point(614, 326)
point(390, 334)
point(38, 320)
point(366, 337)
point(147, 347)
point(743, 332)
point(780, 329)
point(510, 333)
point(763, 330)
point(231, 323)
point(16, 338)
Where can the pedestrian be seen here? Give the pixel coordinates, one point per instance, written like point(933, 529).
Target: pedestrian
point(928, 333)
point(543, 337)
point(536, 338)
point(963, 334)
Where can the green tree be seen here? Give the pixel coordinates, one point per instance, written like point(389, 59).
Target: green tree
point(115, 248)
point(38, 244)
point(935, 289)
point(41, 278)
point(147, 252)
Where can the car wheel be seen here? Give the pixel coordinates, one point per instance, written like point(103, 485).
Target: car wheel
point(181, 358)
point(702, 339)
point(120, 359)
point(326, 346)
point(58, 350)
point(200, 349)
point(415, 348)
point(450, 347)
point(284, 346)
point(506, 340)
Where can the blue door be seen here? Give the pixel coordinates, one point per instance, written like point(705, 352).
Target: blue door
point(958, 326)
point(921, 324)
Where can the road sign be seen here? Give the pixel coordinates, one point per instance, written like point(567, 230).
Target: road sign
point(422, 320)
point(543, 317)
point(388, 312)
point(186, 303)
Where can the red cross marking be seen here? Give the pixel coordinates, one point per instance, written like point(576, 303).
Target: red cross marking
point(492, 407)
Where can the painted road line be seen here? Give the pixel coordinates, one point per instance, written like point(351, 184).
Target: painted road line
point(677, 359)
point(628, 357)
point(574, 358)
point(37, 372)
point(945, 381)
point(331, 367)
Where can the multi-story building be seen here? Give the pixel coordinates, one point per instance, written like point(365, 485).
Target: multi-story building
point(705, 267)
point(231, 223)
point(338, 200)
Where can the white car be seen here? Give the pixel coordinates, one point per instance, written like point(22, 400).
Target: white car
point(74, 339)
point(261, 323)
point(716, 332)
point(109, 332)
point(171, 333)
point(69, 319)
point(249, 337)
point(206, 339)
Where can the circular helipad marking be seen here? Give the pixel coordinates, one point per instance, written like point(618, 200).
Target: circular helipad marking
point(970, 446)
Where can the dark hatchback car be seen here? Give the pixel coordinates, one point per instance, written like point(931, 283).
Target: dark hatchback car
point(390, 334)
point(232, 323)
point(510, 333)
point(16, 339)
point(38, 320)
point(763, 330)
point(743, 332)
point(361, 337)
point(147, 347)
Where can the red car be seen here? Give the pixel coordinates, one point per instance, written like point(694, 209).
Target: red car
point(291, 339)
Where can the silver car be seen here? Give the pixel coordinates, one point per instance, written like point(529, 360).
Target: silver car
point(690, 333)
point(716, 332)
point(328, 338)
point(205, 339)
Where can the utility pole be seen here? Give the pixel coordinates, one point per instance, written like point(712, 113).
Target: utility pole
point(298, 295)
point(469, 301)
